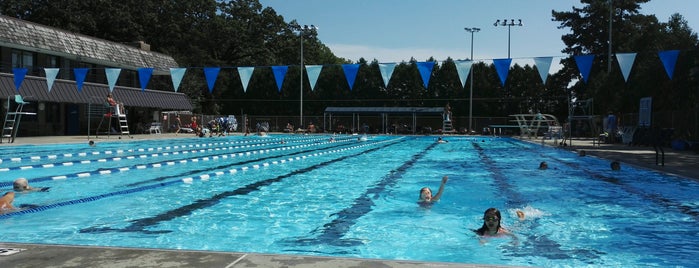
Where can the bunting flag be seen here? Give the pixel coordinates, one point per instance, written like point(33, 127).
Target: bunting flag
point(584, 63)
point(19, 74)
point(669, 59)
point(626, 61)
point(313, 73)
point(386, 70)
point(502, 66)
point(425, 69)
point(543, 65)
point(279, 74)
point(112, 76)
point(80, 74)
point(51, 74)
point(144, 75)
point(211, 73)
point(245, 74)
point(351, 71)
point(463, 68)
point(176, 74)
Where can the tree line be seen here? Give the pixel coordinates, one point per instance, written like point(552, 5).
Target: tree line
point(207, 33)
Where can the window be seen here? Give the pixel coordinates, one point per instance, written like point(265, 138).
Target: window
point(23, 59)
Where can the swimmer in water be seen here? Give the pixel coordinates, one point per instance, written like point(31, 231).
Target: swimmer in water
point(426, 196)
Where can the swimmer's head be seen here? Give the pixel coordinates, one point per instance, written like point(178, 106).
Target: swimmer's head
point(91, 143)
point(426, 194)
point(543, 165)
point(491, 218)
point(20, 184)
point(615, 165)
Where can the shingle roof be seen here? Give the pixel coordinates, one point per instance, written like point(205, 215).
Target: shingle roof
point(30, 36)
point(64, 91)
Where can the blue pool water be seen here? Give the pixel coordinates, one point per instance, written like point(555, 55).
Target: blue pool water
point(295, 194)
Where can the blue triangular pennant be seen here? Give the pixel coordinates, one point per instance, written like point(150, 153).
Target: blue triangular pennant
point(80, 74)
point(279, 74)
point(625, 63)
point(386, 70)
point(543, 65)
point(211, 73)
point(351, 71)
point(669, 59)
point(313, 73)
point(112, 77)
point(51, 74)
point(502, 66)
point(245, 74)
point(176, 74)
point(425, 69)
point(144, 77)
point(19, 74)
point(463, 68)
point(584, 63)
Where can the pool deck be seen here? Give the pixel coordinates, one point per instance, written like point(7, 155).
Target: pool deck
point(681, 163)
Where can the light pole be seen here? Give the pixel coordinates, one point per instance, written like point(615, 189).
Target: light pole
point(470, 98)
point(303, 31)
point(509, 25)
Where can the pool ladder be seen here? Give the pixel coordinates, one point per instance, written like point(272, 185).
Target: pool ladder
point(12, 119)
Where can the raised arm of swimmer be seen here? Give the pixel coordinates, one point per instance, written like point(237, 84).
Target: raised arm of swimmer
point(441, 189)
point(426, 193)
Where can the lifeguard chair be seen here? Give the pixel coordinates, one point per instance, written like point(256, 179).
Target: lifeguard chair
point(12, 119)
point(112, 114)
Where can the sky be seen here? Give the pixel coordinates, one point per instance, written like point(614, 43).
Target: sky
point(396, 30)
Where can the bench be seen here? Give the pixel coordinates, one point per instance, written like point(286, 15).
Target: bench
point(156, 128)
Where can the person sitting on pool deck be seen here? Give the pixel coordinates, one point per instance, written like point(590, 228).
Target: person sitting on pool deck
point(22, 185)
point(426, 196)
point(6, 202)
point(491, 224)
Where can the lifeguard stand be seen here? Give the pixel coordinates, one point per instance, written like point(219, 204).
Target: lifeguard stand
point(113, 114)
point(447, 126)
point(582, 116)
point(12, 119)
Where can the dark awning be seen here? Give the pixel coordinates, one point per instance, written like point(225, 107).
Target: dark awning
point(385, 110)
point(65, 91)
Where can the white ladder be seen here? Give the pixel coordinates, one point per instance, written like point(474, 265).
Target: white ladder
point(114, 112)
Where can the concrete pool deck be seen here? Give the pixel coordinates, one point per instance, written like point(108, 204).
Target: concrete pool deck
point(681, 163)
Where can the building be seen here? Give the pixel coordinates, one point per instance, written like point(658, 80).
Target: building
point(63, 109)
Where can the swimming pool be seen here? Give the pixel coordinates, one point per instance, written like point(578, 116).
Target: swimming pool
point(296, 194)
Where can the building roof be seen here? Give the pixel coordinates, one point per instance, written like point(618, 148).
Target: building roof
point(386, 110)
point(20, 34)
point(34, 89)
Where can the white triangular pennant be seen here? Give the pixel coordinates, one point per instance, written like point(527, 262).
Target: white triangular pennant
point(386, 72)
point(176, 74)
point(51, 74)
point(626, 61)
point(543, 65)
point(463, 68)
point(112, 76)
point(245, 75)
point(313, 73)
